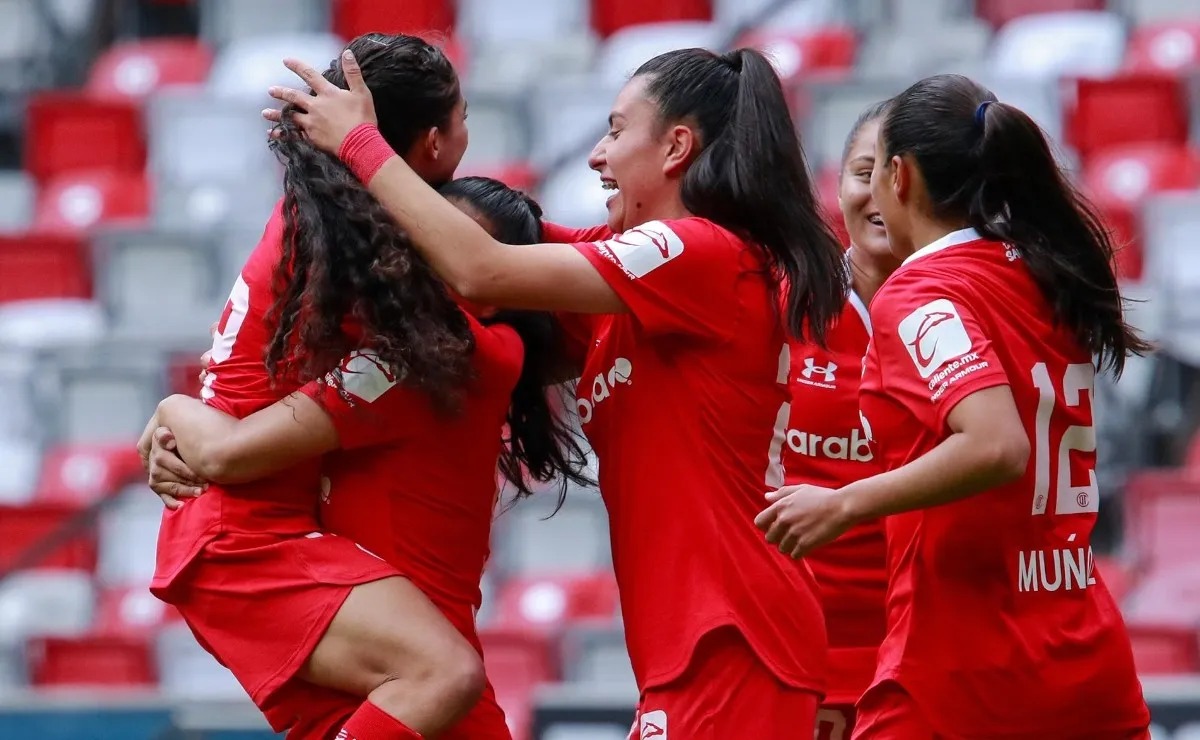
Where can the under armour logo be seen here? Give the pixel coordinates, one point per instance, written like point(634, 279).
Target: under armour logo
point(811, 368)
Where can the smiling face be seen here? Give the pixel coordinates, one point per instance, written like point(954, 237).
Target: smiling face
point(639, 159)
point(862, 218)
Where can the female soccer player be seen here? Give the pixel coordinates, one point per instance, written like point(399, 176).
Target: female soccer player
point(978, 386)
point(684, 392)
point(412, 485)
point(826, 444)
point(332, 274)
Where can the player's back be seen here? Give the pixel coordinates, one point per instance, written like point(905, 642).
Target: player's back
point(998, 615)
point(238, 384)
point(417, 485)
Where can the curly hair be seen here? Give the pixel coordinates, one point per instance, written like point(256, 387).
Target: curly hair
point(349, 277)
point(540, 447)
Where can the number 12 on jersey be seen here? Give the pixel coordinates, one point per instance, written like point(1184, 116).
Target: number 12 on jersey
point(1071, 496)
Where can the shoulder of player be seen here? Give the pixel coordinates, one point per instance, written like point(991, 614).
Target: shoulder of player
point(497, 344)
point(693, 233)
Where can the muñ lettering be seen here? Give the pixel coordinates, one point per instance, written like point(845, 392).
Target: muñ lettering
point(1063, 569)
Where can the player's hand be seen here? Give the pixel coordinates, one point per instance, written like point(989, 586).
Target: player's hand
point(330, 113)
point(803, 517)
point(170, 477)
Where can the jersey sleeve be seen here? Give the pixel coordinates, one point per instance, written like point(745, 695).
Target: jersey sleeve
point(558, 234)
point(933, 350)
point(676, 277)
point(372, 407)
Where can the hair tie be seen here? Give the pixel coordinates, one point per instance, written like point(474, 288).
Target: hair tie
point(981, 111)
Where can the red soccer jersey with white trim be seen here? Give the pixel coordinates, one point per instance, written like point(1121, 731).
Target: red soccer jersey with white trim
point(413, 485)
point(997, 623)
point(827, 446)
point(684, 399)
point(238, 384)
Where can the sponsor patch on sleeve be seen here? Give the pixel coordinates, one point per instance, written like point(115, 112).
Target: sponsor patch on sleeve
point(643, 249)
point(934, 334)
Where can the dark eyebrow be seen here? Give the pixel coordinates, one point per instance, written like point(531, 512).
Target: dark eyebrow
point(865, 158)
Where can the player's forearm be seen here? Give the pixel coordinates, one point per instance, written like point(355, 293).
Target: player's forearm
point(458, 249)
point(960, 467)
point(203, 435)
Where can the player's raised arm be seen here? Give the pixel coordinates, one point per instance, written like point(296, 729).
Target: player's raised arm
point(477, 267)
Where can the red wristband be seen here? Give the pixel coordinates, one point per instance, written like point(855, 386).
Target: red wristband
point(364, 151)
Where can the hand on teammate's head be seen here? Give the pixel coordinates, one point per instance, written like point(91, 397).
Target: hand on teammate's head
point(330, 113)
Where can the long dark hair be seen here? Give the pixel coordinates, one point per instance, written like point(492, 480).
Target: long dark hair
point(992, 167)
point(540, 447)
point(349, 276)
point(751, 176)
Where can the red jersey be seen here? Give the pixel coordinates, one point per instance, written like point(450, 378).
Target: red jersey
point(826, 446)
point(685, 401)
point(238, 384)
point(413, 485)
point(998, 624)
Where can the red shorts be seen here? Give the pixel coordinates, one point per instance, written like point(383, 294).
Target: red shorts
point(888, 712)
point(850, 673)
point(315, 713)
point(260, 603)
point(726, 693)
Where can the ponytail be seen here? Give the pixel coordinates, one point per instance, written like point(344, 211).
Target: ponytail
point(540, 446)
point(751, 176)
point(989, 164)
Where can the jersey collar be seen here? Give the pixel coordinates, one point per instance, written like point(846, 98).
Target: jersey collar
point(962, 236)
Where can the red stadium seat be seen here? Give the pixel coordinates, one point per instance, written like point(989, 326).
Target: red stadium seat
point(133, 70)
point(97, 661)
point(131, 611)
point(183, 374)
point(1129, 109)
point(1162, 509)
point(517, 663)
point(36, 266)
point(1164, 649)
point(74, 202)
point(1119, 179)
point(823, 51)
point(1164, 47)
point(1116, 576)
point(999, 12)
point(355, 17)
point(84, 473)
point(548, 603)
point(67, 132)
point(609, 16)
point(1192, 461)
point(25, 527)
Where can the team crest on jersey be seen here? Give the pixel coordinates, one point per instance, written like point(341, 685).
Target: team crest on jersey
point(934, 334)
point(366, 377)
point(652, 725)
point(643, 249)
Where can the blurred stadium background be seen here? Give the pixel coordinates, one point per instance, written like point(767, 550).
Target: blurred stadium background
point(135, 178)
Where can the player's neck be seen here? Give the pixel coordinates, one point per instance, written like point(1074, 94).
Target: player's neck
point(866, 279)
point(927, 231)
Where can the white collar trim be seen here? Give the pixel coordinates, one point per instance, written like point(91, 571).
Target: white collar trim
point(962, 236)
